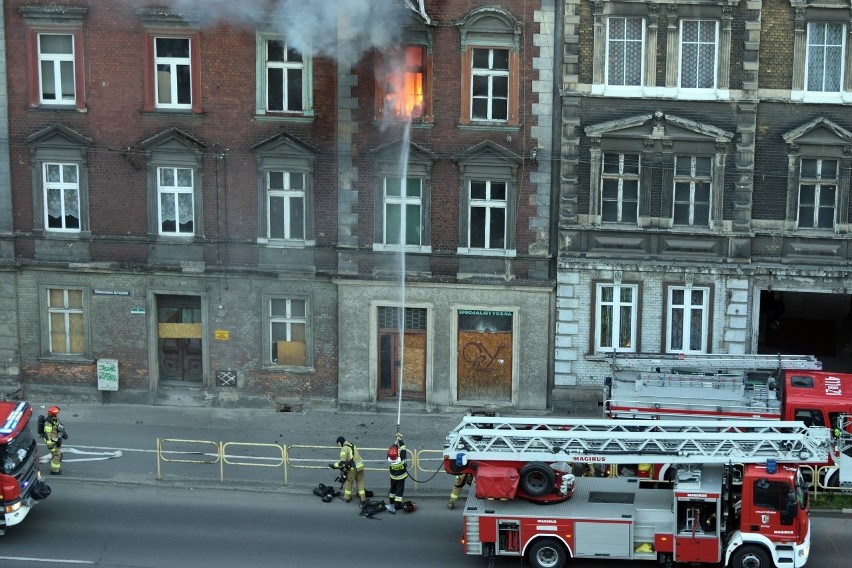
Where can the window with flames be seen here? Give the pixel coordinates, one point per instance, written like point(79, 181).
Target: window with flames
point(401, 84)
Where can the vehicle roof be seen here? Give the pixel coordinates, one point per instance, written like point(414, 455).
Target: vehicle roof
point(14, 416)
point(825, 387)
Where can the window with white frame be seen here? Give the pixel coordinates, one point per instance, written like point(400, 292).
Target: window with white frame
point(173, 77)
point(56, 68)
point(817, 193)
point(824, 65)
point(489, 85)
point(55, 53)
point(491, 40)
point(687, 320)
point(625, 44)
point(66, 322)
point(285, 77)
point(286, 201)
point(288, 332)
point(487, 214)
point(698, 40)
point(615, 317)
point(175, 189)
point(58, 163)
point(693, 178)
point(403, 211)
point(61, 197)
point(620, 188)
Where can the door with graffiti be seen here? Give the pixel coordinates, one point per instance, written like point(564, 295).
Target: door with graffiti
point(485, 355)
point(404, 366)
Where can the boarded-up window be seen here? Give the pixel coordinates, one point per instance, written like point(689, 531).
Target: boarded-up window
point(288, 332)
point(65, 316)
point(485, 355)
point(402, 368)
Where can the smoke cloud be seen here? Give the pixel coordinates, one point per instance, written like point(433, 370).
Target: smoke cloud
point(332, 28)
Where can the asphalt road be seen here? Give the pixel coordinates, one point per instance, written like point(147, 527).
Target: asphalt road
point(110, 525)
point(117, 506)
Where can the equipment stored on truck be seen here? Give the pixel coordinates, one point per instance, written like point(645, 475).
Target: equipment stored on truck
point(738, 496)
point(724, 387)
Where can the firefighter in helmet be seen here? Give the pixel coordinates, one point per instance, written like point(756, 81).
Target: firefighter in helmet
point(397, 455)
point(459, 483)
point(352, 468)
point(54, 433)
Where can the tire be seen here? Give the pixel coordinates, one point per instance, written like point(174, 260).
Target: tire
point(537, 479)
point(833, 479)
point(751, 557)
point(547, 553)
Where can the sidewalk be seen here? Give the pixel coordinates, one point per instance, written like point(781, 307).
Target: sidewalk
point(139, 426)
point(97, 426)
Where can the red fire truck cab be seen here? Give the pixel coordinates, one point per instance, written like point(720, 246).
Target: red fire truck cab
point(21, 482)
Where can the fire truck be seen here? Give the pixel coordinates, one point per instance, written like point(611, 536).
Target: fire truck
point(738, 496)
point(765, 387)
point(21, 483)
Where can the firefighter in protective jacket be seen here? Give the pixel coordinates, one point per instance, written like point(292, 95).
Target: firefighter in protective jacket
point(352, 468)
point(398, 470)
point(54, 433)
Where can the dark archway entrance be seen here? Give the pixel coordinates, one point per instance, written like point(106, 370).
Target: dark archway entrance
point(807, 323)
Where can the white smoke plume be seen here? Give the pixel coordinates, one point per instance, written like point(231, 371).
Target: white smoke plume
point(333, 28)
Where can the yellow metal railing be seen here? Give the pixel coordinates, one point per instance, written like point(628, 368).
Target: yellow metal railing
point(280, 458)
point(295, 456)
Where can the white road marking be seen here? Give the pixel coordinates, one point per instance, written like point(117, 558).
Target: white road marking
point(111, 453)
point(54, 560)
point(100, 455)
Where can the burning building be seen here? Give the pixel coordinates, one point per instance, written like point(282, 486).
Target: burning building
point(254, 202)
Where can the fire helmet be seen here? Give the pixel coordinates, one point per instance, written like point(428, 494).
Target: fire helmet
point(409, 507)
point(340, 439)
point(393, 452)
point(53, 411)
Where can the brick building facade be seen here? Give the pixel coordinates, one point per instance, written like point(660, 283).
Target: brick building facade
point(224, 207)
point(704, 201)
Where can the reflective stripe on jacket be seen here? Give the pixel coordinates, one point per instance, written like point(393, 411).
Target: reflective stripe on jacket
point(398, 467)
point(349, 452)
point(51, 431)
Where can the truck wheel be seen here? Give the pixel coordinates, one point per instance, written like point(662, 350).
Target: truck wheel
point(833, 479)
point(751, 557)
point(537, 479)
point(547, 553)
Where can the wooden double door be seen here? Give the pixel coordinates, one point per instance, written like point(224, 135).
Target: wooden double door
point(179, 338)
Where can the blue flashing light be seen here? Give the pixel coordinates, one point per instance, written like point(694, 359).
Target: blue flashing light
point(459, 459)
point(771, 467)
point(14, 419)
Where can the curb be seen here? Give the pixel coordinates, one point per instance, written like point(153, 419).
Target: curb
point(254, 487)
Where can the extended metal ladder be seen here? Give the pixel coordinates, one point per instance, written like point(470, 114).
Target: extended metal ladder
point(635, 441)
point(710, 362)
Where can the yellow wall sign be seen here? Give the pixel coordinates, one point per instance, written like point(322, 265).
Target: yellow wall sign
point(222, 335)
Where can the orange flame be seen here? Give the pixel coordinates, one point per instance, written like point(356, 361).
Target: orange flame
point(404, 87)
